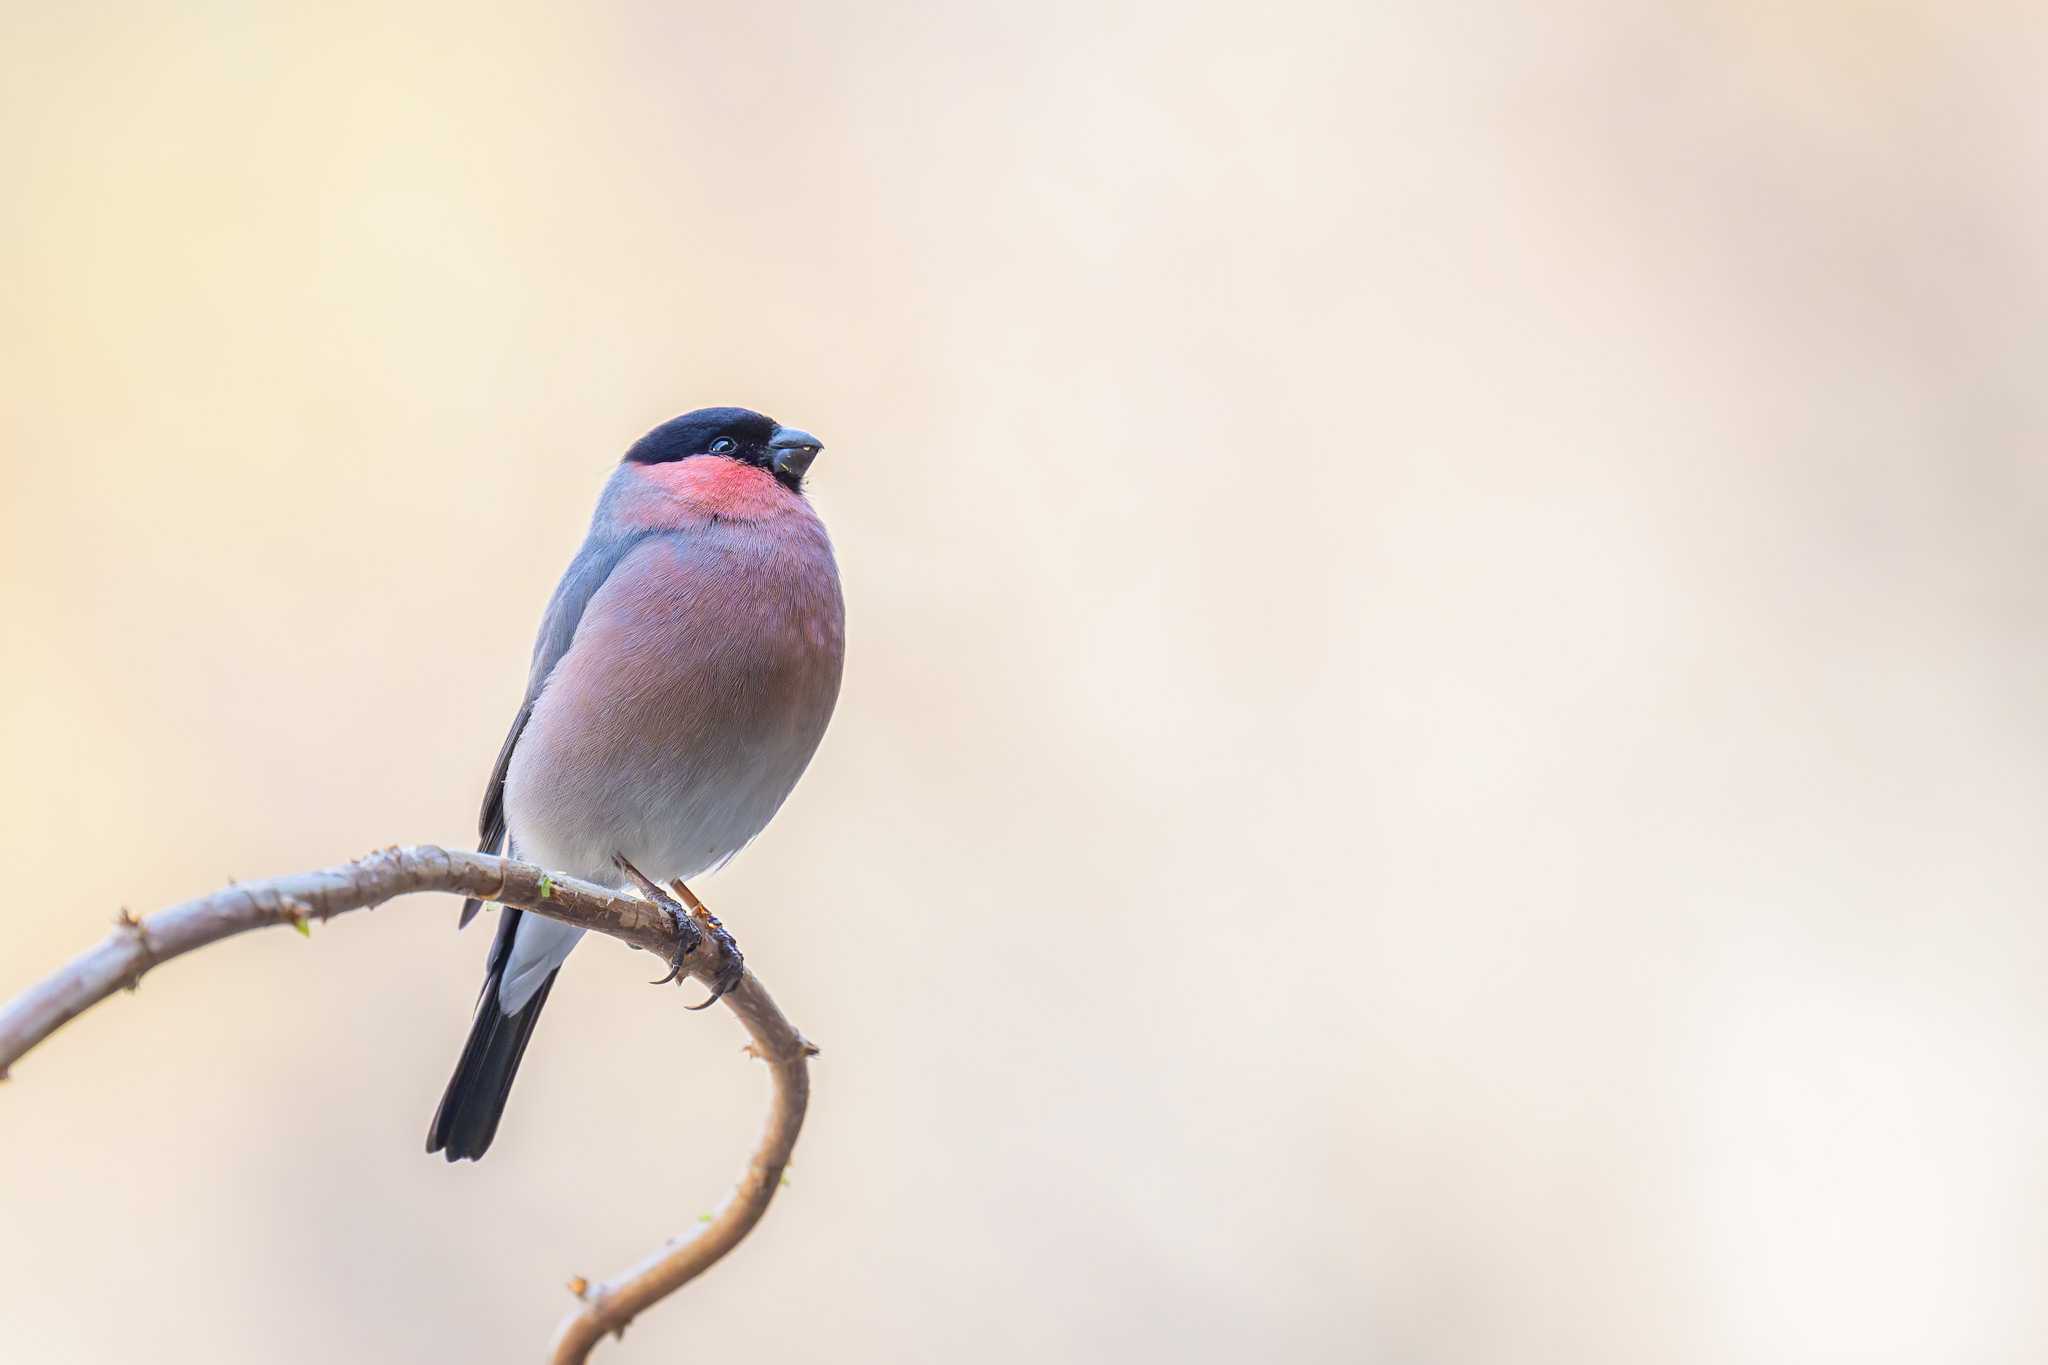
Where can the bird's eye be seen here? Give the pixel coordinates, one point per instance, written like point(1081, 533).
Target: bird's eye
point(724, 445)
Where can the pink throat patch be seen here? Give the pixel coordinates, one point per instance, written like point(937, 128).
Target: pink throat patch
point(714, 487)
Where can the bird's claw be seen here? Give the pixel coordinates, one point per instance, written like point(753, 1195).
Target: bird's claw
point(693, 923)
point(688, 936)
point(732, 964)
point(688, 939)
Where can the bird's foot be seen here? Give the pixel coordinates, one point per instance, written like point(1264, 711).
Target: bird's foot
point(732, 964)
point(693, 924)
point(688, 936)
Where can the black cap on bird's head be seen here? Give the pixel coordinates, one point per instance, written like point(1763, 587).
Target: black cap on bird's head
point(732, 434)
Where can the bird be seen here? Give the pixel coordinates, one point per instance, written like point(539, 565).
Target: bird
point(685, 671)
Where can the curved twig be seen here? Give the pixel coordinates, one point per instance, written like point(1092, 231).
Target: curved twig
point(138, 946)
point(609, 1307)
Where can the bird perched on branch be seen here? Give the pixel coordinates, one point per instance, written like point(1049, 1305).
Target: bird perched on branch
point(685, 671)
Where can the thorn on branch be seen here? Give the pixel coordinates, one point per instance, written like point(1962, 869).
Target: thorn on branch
point(126, 923)
point(580, 1287)
point(805, 1048)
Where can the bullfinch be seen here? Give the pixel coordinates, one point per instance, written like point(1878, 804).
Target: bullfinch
point(686, 668)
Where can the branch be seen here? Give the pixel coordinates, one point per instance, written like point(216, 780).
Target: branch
point(137, 946)
point(609, 1307)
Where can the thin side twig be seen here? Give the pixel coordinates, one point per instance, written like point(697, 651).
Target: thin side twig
point(137, 947)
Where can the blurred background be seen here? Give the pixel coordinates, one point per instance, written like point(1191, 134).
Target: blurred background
point(1442, 756)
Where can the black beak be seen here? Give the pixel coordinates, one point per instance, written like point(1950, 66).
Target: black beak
point(793, 452)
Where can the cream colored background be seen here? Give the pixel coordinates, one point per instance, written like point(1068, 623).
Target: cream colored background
point(1442, 759)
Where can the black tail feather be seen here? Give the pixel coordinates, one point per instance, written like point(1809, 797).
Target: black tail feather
point(475, 1099)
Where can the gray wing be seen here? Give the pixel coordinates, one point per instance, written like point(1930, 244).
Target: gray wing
point(585, 575)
